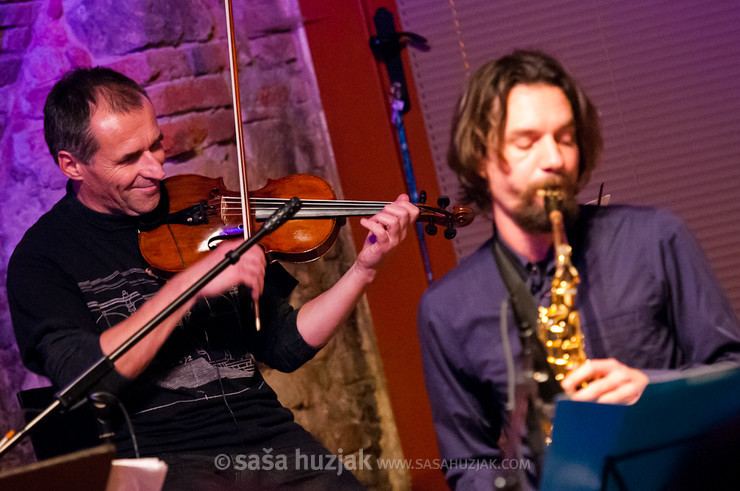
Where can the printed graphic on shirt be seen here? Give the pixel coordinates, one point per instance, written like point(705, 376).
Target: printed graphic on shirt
point(117, 296)
point(197, 371)
point(114, 298)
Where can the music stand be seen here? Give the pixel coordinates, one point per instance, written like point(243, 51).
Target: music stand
point(87, 469)
point(615, 447)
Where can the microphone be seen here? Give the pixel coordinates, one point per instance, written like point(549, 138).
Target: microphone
point(273, 222)
point(282, 215)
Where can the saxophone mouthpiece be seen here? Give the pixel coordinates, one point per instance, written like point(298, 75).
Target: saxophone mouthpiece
point(553, 199)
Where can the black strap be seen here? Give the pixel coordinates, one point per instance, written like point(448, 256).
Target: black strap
point(527, 320)
point(534, 359)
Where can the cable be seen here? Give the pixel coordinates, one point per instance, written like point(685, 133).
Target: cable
point(509, 357)
point(220, 380)
point(100, 402)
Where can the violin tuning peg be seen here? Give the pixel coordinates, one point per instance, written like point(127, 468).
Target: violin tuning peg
point(431, 229)
point(443, 202)
point(422, 197)
point(450, 233)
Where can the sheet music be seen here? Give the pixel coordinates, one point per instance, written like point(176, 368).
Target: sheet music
point(145, 474)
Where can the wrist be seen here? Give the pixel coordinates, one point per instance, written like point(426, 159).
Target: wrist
point(363, 274)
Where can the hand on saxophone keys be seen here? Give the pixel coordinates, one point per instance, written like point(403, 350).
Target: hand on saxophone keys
point(606, 381)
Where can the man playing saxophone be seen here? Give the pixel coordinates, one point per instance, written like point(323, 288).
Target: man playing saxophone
point(649, 305)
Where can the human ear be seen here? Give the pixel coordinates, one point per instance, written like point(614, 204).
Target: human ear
point(490, 162)
point(482, 170)
point(69, 165)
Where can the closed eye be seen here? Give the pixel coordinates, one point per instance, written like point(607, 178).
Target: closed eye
point(157, 145)
point(132, 157)
point(524, 140)
point(567, 135)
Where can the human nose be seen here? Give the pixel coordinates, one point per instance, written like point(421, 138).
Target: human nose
point(151, 165)
point(553, 155)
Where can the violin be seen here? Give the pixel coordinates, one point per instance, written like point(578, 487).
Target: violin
point(197, 212)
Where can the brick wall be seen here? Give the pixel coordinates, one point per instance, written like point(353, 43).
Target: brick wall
point(177, 49)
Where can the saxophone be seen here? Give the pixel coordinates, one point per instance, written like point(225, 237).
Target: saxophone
point(559, 327)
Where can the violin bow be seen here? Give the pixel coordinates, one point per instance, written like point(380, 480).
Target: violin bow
point(240, 153)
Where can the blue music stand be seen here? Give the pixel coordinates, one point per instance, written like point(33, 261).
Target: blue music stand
point(639, 447)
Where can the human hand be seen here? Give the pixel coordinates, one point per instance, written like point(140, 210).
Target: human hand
point(607, 381)
point(249, 270)
point(387, 229)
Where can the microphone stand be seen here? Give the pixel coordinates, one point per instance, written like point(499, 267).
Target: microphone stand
point(78, 390)
point(387, 46)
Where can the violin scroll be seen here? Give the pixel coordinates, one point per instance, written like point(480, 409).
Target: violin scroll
point(460, 216)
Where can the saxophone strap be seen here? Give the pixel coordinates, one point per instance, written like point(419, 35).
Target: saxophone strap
point(534, 358)
point(526, 317)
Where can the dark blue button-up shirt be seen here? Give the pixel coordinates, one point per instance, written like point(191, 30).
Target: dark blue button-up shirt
point(647, 297)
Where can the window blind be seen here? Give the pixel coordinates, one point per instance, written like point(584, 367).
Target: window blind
point(663, 75)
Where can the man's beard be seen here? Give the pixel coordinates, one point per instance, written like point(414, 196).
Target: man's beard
point(531, 215)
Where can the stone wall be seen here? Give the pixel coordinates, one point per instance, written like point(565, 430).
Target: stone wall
point(177, 49)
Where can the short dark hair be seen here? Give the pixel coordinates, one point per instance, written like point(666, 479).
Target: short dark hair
point(480, 117)
point(72, 101)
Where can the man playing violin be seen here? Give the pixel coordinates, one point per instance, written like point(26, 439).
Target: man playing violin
point(78, 287)
point(649, 304)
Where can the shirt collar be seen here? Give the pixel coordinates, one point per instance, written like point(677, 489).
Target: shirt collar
point(523, 264)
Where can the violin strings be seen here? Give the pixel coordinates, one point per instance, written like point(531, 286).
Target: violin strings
point(311, 208)
point(318, 203)
point(311, 202)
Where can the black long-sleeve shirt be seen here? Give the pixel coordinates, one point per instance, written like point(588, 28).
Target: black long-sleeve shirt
point(78, 272)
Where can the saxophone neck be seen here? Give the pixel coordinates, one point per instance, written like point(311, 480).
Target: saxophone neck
point(553, 204)
point(564, 269)
point(559, 238)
